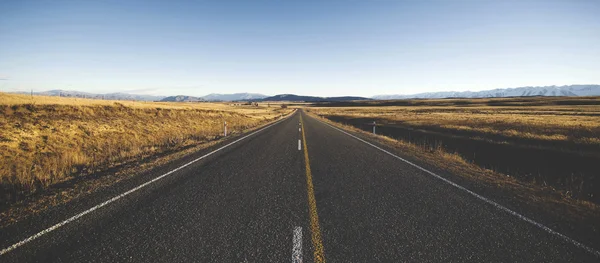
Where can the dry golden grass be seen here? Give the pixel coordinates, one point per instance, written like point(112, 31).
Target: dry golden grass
point(8, 99)
point(551, 199)
point(46, 140)
point(577, 124)
point(547, 141)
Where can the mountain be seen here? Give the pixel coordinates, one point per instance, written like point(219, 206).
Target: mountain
point(292, 97)
point(183, 98)
point(126, 96)
point(233, 97)
point(65, 93)
point(569, 90)
point(87, 95)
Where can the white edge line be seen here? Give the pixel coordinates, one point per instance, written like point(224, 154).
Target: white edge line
point(75, 217)
point(297, 245)
point(499, 206)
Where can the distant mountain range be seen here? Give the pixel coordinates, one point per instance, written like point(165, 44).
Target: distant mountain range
point(570, 90)
point(107, 96)
point(234, 96)
point(183, 98)
point(292, 97)
point(127, 96)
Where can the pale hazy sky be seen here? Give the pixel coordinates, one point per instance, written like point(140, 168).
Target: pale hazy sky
point(323, 48)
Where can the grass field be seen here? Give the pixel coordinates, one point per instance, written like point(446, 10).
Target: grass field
point(47, 140)
point(548, 141)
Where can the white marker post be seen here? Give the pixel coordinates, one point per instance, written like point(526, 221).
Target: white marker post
point(225, 129)
point(374, 125)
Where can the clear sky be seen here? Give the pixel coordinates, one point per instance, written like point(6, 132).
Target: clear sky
point(323, 48)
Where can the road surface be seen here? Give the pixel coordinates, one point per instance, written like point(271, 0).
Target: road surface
point(268, 198)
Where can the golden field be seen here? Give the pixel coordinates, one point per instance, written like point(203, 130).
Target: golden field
point(552, 141)
point(46, 140)
point(540, 120)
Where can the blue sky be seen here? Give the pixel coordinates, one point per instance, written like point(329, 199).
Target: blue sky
point(324, 48)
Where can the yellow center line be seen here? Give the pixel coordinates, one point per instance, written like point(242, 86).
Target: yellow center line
point(319, 253)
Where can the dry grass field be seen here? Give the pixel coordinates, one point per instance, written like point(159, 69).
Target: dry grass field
point(47, 140)
point(548, 141)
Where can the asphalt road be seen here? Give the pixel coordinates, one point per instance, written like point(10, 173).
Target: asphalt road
point(243, 202)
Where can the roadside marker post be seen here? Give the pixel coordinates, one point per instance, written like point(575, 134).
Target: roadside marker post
point(374, 125)
point(225, 129)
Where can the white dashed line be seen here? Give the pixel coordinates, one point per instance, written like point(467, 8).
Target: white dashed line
point(297, 247)
point(299, 145)
point(499, 206)
point(54, 227)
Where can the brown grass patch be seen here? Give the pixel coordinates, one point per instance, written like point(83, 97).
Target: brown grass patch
point(547, 141)
point(47, 140)
point(552, 199)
